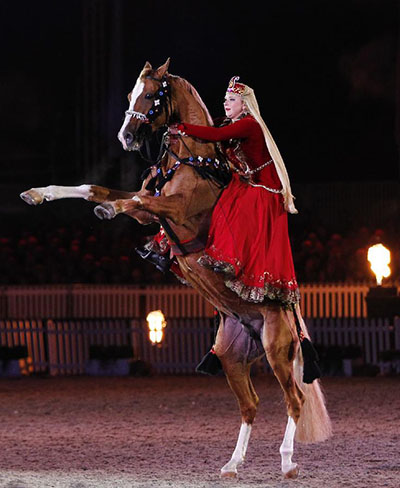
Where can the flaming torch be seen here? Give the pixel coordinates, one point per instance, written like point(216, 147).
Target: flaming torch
point(156, 323)
point(381, 301)
point(379, 257)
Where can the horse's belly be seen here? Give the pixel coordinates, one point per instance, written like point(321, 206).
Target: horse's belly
point(212, 287)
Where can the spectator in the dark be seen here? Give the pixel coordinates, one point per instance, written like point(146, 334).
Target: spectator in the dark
point(336, 263)
point(358, 269)
point(78, 255)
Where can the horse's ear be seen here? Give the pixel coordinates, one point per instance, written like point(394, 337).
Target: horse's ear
point(147, 66)
point(163, 69)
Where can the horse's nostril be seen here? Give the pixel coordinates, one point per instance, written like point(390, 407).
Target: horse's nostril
point(128, 137)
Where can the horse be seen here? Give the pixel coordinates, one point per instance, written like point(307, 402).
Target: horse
point(180, 192)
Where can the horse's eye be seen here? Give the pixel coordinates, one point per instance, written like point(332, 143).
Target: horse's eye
point(149, 96)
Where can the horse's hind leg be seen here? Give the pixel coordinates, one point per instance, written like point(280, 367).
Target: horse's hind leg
point(229, 348)
point(281, 344)
point(239, 381)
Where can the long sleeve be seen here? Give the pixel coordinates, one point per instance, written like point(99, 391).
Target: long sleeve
point(238, 130)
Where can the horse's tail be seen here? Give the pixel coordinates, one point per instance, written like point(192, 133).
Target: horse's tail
point(314, 424)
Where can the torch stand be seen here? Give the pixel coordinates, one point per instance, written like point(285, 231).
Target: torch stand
point(383, 302)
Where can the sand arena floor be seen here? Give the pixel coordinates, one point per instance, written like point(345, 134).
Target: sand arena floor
point(82, 432)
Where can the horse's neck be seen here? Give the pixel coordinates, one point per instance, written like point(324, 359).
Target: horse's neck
point(190, 110)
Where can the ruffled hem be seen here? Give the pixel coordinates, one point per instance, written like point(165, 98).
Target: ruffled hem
point(285, 296)
point(283, 291)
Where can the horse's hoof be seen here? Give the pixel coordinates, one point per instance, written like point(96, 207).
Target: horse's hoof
point(31, 197)
point(229, 474)
point(105, 211)
point(292, 474)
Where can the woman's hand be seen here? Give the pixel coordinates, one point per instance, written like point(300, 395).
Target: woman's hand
point(173, 129)
point(176, 129)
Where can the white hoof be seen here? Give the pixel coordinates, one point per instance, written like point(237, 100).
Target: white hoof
point(105, 211)
point(31, 197)
point(229, 474)
point(291, 472)
point(230, 469)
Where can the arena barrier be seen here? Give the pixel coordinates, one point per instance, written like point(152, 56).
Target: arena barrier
point(61, 346)
point(127, 301)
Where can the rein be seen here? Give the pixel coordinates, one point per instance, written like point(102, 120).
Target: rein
point(207, 168)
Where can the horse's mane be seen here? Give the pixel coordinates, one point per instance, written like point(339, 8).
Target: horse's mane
point(192, 90)
point(186, 86)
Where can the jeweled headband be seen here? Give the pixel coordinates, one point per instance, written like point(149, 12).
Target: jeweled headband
point(235, 87)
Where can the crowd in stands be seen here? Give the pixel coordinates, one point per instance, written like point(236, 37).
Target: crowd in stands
point(97, 255)
point(342, 257)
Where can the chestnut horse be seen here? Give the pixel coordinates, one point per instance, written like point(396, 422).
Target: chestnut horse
point(183, 203)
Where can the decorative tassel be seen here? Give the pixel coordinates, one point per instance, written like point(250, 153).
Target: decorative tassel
point(210, 364)
point(311, 370)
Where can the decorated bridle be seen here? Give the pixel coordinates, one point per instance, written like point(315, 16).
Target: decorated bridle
point(214, 169)
point(161, 99)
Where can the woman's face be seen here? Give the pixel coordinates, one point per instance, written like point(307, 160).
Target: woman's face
point(233, 105)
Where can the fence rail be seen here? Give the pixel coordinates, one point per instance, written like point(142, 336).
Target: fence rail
point(127, 301)
point(61, 346)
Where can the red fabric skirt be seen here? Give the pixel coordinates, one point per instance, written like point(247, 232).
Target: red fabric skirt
point(248, 243)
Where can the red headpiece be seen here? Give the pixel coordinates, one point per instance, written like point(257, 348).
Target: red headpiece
point(235, 87)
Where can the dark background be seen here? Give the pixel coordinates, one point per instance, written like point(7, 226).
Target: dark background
point(326, 75)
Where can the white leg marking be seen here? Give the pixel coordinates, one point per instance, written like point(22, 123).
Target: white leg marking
point(240, 450)
point(137, 90)
point(286, 449)
point(54, 192)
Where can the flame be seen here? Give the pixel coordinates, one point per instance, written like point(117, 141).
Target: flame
point(156, 323)
point(379, 257)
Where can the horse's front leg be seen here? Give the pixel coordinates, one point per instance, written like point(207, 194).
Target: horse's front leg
point(93, 193)
point(171, 207)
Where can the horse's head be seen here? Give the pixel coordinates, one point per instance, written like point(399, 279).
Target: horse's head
point(148, 107)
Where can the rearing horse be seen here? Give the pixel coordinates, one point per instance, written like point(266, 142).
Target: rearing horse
point(183, 200)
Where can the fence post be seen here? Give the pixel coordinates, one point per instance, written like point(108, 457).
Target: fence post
point(396, 324)
point(3, 303)
point(52, 349)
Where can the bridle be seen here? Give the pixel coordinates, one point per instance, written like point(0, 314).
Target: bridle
point(162, 99)
point(213, 169)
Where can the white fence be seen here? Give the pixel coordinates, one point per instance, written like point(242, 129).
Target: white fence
point(127, 301)
point(61, 346)
point(58, 324)
point(373, 336)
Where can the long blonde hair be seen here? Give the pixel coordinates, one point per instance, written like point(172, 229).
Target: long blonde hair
point(249, 98)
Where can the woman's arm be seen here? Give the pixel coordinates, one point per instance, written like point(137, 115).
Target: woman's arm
point(241, 129)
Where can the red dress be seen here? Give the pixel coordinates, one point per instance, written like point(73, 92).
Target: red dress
point(248, 239)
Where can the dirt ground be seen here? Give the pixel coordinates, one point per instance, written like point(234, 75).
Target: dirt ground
point(84, 432)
